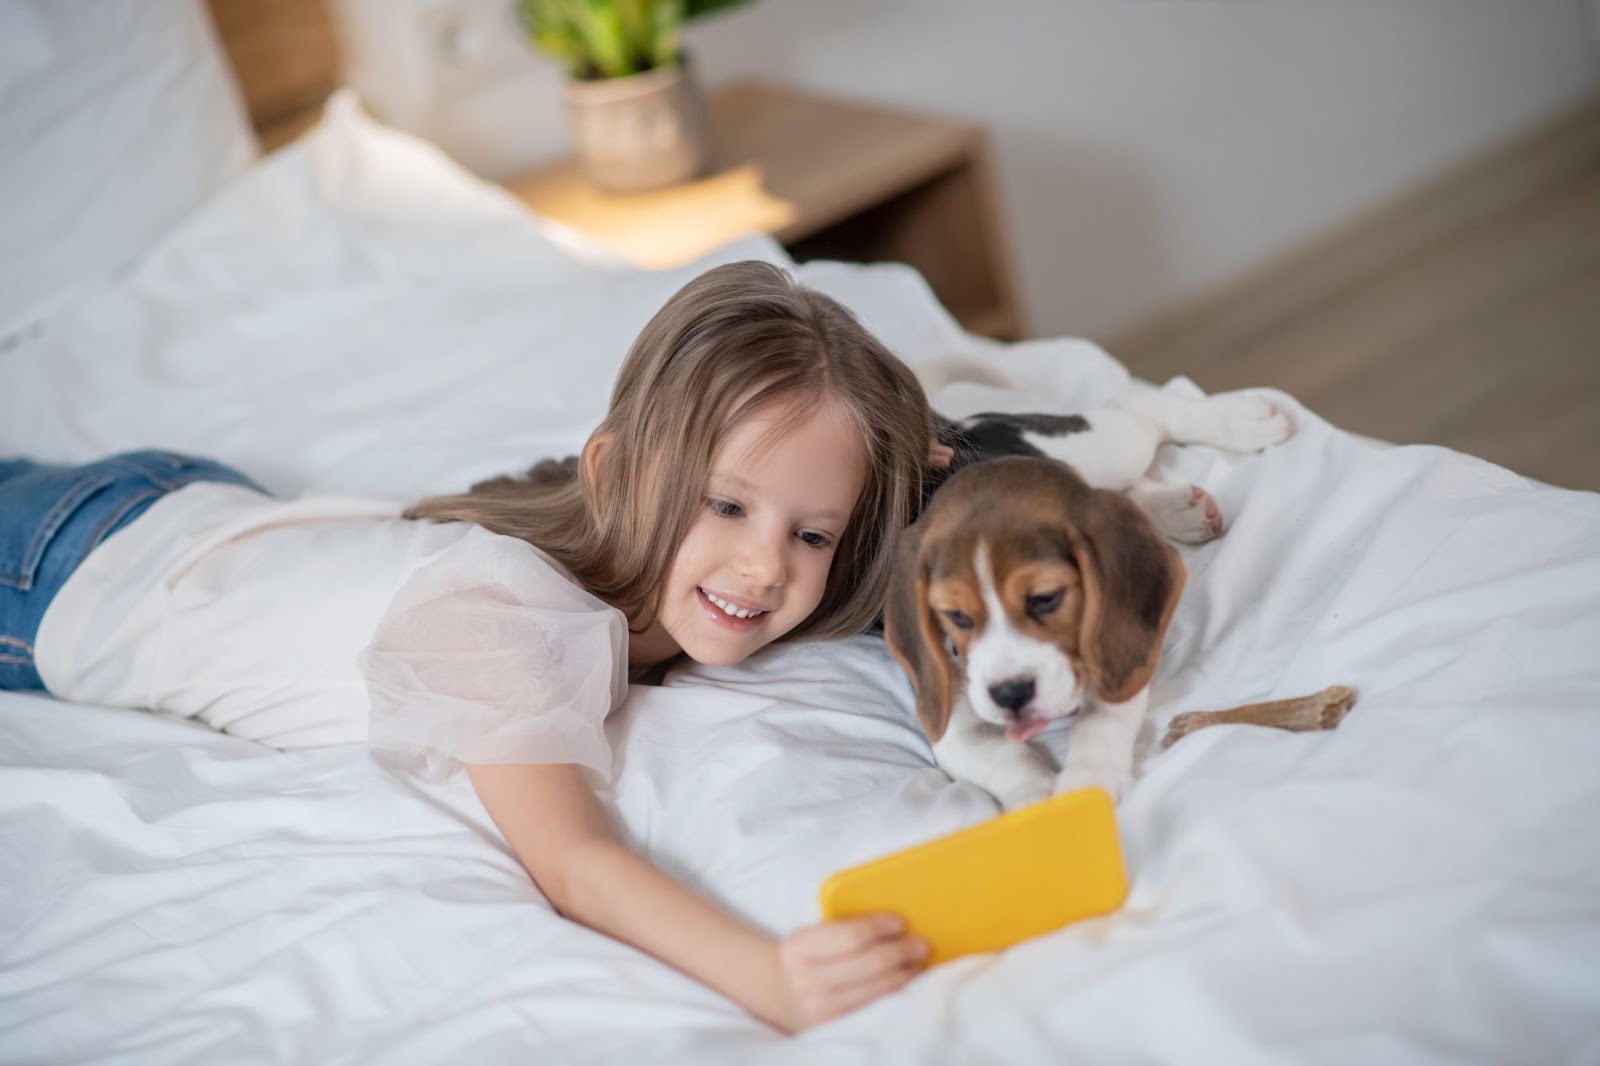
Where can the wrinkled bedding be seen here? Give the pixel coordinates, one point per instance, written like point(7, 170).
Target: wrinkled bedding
point(355, 314)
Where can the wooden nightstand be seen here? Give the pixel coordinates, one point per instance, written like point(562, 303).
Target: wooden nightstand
point(829, 179)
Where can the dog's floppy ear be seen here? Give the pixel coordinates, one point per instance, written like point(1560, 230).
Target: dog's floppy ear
point(913, 634)
point(1131, 582)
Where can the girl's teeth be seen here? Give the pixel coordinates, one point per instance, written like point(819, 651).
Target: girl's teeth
point(728, 608)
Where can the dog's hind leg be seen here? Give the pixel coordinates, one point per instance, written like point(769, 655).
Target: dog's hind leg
point(1112, 452)
point(1187, 514)
point(1238, 422)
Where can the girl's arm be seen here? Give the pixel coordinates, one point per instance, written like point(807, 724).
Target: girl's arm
point(567, 843)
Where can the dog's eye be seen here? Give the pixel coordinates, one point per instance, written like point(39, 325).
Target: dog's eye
point(959, 620)
point(1044, 603)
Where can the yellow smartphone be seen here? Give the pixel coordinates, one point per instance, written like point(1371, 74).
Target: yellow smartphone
point(991, 885)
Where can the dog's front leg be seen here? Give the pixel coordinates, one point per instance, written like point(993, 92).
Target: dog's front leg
point(971, 749)
point(1100, 746)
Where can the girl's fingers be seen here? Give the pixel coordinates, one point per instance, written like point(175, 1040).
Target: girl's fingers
point(845, 937)
point(837, 966)
point(849, 997)
point(870, 963)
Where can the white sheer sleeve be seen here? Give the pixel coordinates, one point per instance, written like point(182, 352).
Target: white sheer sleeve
point(491, 654)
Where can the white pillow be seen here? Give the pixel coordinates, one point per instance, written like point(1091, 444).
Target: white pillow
point(117, 119)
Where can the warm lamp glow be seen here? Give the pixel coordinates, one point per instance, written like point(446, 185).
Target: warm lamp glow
point(666, 227)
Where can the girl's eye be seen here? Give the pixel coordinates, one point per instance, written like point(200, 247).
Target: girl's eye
point(1044, 603)
point(958, 619)
point(813, 540)
point(725, 508)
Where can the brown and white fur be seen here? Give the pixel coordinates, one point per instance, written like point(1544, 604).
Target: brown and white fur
point(1037, 586)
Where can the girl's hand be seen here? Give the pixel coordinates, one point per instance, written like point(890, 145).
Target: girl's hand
point(940, 455)
point(829, 969)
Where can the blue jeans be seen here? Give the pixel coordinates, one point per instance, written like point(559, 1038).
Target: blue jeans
point(52, 516)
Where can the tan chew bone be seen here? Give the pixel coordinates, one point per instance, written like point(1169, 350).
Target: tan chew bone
point(1302, 714)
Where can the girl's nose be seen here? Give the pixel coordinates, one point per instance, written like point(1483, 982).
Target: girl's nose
point(761, 561)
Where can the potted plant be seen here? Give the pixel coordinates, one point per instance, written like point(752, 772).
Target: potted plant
point(638, 119)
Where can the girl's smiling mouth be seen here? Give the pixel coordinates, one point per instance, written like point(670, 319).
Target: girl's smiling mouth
point(732, 614)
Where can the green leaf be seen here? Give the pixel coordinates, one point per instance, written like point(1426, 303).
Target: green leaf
point(553, 33)
point(696, 8)
point(600, 25)
point(634, 16)
point(566, 48)
point(612, 38)
point(668, 17)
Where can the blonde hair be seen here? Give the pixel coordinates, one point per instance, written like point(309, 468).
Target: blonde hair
point(739, 340)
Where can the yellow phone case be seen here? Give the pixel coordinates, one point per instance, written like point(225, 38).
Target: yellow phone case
point(991, 885)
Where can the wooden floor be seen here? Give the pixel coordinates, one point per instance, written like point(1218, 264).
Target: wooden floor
point(1481, 333)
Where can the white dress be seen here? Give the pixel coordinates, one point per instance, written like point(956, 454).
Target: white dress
point(328, 620)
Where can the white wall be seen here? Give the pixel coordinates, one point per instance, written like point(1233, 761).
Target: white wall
point(1148, 150)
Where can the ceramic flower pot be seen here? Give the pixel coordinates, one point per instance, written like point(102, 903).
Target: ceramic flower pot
point(641, 132)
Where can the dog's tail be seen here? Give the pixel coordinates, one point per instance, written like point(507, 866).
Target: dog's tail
point(939, 374)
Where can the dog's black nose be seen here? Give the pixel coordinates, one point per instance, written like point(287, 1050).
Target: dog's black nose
point(1012, 695)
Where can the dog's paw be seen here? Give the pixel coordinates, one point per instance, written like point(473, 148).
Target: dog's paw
point(1247, 423)
point(1028, 783)
point(1187, 514)
point(1016, 794)
point(1113, 779)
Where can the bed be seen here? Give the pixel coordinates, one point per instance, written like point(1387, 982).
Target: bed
point(353, 313)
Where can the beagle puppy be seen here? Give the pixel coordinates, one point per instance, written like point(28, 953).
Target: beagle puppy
point(1021, 597)
point(1038, 582)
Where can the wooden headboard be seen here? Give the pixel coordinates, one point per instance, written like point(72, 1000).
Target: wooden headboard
point(285, 57)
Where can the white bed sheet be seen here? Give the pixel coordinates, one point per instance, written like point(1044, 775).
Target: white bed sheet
point(1420, 886)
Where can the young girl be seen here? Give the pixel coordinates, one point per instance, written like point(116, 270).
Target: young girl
point(760, 449)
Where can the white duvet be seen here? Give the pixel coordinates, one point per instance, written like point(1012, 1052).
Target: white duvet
point(1420, 886)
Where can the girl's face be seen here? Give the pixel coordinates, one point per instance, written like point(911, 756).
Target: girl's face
point(764, 537)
